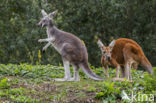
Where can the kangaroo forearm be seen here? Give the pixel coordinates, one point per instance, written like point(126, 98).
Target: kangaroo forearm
point(46, 40)
point(46, 46)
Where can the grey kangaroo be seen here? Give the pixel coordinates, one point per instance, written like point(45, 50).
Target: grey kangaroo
point(69, 46)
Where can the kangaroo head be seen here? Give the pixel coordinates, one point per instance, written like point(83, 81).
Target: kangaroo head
point(106, 50)
point(47, 19)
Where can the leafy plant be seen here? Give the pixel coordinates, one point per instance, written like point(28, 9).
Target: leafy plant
point(24, 99)
point(99, 95)
point(33, 83)
point(4, 83)
point(108, 91)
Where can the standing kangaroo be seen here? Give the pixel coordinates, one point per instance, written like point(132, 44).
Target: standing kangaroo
point(69, 46)
point(123, 54)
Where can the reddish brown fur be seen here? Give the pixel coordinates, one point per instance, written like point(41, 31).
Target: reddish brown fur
point(124, 51)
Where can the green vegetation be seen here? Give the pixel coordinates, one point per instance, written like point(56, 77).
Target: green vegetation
point(87, 19)
point(34, 84)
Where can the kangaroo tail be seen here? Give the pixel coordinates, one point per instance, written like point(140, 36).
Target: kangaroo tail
point(146, 65)
point(86, 69)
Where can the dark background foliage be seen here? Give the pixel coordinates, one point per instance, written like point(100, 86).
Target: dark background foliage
point(87, 19)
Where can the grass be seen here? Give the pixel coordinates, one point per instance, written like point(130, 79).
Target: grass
point(33, 84)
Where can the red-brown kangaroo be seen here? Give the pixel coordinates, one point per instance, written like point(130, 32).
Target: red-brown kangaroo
point(123, 53)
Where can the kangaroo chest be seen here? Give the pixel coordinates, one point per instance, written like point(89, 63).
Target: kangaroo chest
point(56, 47)
point(53, 41)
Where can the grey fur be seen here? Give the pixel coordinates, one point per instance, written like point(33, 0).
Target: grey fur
point(69, 46)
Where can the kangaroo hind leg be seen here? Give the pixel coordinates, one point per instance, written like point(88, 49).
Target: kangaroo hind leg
point(67, 76)
point(75, 73)
point(128, 57)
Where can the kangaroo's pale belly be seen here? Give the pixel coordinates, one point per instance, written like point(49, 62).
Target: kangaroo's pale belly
point(56, 47)
point(59, 49)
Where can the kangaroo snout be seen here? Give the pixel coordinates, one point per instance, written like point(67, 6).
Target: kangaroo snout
point(41, 24)
point(108, 57)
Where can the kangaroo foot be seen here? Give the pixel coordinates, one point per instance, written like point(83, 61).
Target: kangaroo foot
point(120, 79)
point(61, 79)
point(74, 79)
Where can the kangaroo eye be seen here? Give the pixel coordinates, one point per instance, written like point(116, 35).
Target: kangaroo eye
point(104, 52)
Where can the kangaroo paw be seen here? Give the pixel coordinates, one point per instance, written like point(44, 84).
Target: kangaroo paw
point(118, 79)
point(60, 79)
point(63, 79)
point(121, 79)
point(43, 51)
point(73, 79)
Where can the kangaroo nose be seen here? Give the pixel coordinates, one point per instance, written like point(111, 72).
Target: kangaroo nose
point(108, 58)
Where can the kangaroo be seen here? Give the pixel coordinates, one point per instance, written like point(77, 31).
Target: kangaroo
point(69, 46)
point(123, 53)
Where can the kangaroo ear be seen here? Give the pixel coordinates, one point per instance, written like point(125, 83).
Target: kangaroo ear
point(43, 13)
point(53, 13)
point(100, 44)
point(112, 44)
